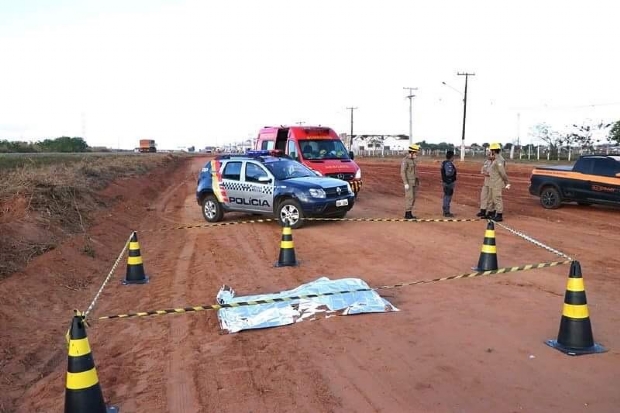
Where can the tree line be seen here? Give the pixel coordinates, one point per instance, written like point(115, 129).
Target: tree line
point(586, 136)
point(64, 144)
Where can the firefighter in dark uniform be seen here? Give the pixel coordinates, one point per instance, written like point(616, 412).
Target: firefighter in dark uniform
point(409, 175)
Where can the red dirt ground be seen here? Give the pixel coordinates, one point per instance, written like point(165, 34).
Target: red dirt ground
point(468, 345)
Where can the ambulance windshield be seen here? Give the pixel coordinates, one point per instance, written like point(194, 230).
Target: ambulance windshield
point(323, 149)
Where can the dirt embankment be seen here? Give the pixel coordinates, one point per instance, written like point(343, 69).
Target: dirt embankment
point(47, 223)
point(43, 203)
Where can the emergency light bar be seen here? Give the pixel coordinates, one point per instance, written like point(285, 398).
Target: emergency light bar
point(264, 152)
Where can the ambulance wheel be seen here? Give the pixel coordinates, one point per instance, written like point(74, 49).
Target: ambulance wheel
point(211, 209)
point(289, 210)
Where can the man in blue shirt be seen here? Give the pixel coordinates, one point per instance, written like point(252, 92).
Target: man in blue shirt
point(448, 179)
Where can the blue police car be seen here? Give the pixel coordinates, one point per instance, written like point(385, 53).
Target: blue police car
point(267, 183)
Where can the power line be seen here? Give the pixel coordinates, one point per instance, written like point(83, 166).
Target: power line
point(547, 107)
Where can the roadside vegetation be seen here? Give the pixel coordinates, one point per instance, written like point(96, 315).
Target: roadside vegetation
point(45, 198)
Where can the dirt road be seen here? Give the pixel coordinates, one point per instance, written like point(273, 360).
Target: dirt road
point(460, 346)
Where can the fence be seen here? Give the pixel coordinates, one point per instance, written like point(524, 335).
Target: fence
point(536, 153)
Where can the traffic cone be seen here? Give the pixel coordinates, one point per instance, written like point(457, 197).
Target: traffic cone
point(488, 252)
point(575, 335)
point(287, 249)
point(135, 267)
point(82, 393)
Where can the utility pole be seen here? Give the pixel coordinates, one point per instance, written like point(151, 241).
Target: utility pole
point(410, 96)
point(351, 138)
point(519, 130)
point(84, 126)
point(519, 133)
point(464, 113)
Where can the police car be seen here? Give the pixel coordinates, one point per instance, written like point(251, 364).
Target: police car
point(267, 183)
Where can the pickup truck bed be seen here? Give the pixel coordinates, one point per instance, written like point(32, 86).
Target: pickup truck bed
point(594, 179)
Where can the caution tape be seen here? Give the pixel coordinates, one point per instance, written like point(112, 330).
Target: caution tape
point(216, 224)
point(207, 307)
point(505, 270)
point(392, 219)
point(105, 282)
point(533, 241)
point(265, 220)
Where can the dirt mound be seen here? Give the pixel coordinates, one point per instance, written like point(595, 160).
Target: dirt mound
point(53, 208)
point(41, 206)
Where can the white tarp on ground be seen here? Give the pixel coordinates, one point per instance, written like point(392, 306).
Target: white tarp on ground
point(295, 310)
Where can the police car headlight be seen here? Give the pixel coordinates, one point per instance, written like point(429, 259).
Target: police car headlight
point(317, 193)
point(358, 174)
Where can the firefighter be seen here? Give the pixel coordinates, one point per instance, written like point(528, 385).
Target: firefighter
point(498, 180)
point(485, 201)
point(409, 175)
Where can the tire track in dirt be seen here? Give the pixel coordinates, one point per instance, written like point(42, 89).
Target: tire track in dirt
point(255, 366)
point(182, 394)
point(180, 249)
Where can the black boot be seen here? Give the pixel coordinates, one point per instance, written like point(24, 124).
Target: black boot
point(490, 215)
point(448, 214)
point(408, 215)
point(498, 217)
point(482, 213)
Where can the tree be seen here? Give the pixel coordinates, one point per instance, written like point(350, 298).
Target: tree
point(444, 146)
point(508, 146)
point(614, 133)
point(545, 133)
point(587, 134)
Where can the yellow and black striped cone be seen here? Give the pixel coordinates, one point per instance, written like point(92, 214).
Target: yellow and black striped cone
point(82, 393)
point(575, 336)
point(287, 249)
point(488, 252)
point(135, 267)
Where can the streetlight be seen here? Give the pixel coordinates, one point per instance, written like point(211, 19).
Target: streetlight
point(464, 110)
point(410, 97)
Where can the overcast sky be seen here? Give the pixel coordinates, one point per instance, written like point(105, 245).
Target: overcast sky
point(208, 72)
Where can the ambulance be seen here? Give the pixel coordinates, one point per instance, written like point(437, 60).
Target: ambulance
point(317, 147)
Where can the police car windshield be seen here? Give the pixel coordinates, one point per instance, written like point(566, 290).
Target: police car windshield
point(323, 149)
point(286, 169)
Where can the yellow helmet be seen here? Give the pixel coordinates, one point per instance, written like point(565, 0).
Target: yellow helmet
point(495, 146)
point(414, 148)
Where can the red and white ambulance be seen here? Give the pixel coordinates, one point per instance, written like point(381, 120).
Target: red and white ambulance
point(317, 147)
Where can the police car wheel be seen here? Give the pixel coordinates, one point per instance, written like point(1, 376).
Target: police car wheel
point(211, 209)
point(290, 210)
